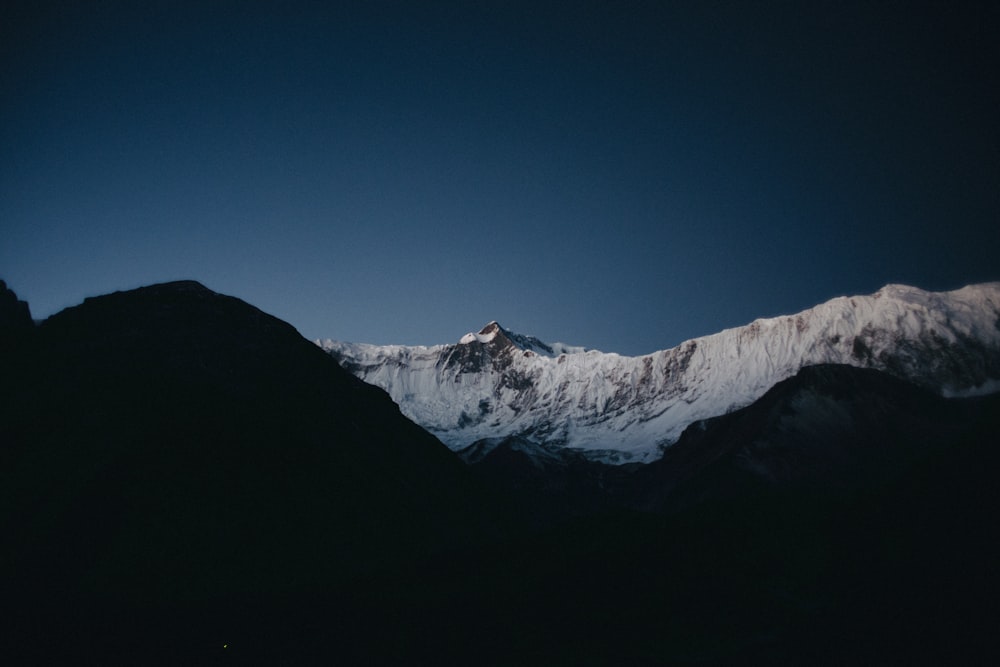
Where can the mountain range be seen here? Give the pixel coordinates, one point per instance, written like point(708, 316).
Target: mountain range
point(496, 386)
point(187, 480)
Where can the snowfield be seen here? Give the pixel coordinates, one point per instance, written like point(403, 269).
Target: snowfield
point(616, 409)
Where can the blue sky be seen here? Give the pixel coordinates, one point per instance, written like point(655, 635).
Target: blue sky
point(617, 175)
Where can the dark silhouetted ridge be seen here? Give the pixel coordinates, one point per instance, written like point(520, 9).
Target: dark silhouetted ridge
point(15, 316)
point(181, 472)
point(173, 451)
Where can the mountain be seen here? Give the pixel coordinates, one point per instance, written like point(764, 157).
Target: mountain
point(834, 428)
point(175, 462)
point(828, 429)
point(496, 384)
point(845, 517)
point(15, 316)
point(186, 480)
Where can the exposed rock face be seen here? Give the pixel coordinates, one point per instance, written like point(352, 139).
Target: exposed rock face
point(497, 384)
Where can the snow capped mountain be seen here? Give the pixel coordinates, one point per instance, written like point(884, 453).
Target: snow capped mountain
point(496, 384)
point(526, 343)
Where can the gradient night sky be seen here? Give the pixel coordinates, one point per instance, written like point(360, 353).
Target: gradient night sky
point(617, 175)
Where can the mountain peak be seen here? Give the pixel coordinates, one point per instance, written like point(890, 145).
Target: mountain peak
point(181, 286)
point(170, 289)
point(486, 335)
point(496, 334)
point(492, 328)
point(175, 287)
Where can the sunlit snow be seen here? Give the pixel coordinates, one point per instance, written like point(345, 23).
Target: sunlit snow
point(617, 408)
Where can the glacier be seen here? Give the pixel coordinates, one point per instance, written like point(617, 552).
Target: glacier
point(616, 409)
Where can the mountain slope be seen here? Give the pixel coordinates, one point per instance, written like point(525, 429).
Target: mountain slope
point(186, 480)
point(845, 517)
point(615, 409)
point(828, 429)
point(173, 448)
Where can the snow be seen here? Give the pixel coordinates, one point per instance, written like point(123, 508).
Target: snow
point(474, 338)
point(616, 408)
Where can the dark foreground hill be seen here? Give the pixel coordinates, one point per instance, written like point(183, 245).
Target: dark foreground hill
point(830, 430)
point(187, 481)
point(170, 451)
point(846, 517)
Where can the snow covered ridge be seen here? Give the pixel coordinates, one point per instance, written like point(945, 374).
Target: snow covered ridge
point(612, 408)
point(527, 343)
